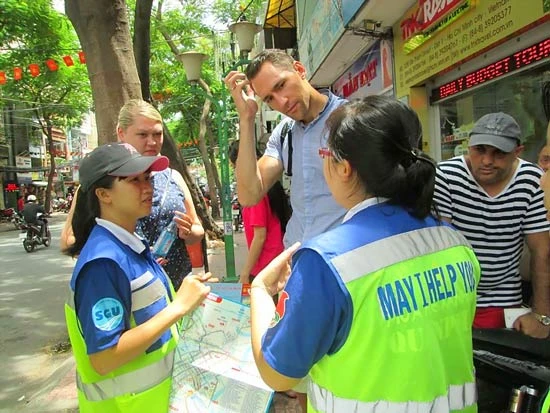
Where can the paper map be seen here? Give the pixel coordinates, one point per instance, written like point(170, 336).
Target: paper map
point(214, 370)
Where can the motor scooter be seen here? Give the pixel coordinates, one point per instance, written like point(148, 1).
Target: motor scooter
point(512, 371)
point(236, 214)
point(6, 214)
point(32, 236)
point(17, 220)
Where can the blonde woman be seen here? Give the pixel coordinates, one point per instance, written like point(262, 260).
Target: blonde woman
point(140, 125)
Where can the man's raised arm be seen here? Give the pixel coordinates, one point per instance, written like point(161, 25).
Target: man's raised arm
point(253, 178)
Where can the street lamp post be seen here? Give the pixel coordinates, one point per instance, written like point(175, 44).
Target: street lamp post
point(192, 62)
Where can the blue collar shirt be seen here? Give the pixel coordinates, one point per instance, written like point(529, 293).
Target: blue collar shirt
point(314, 210)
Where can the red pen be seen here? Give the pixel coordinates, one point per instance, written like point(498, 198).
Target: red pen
point(214, 297)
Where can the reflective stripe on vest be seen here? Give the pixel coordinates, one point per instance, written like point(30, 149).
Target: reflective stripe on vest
point(141, 379)
point(353, 265)
point(133, 382)
point(458, 397)
point(146, 296)
point(141, 298)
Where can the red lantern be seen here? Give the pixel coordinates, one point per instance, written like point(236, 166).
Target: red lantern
point(17, 73)
point(82, 57)
point(68, 60)
point(34, 69)
point(52, 65)
point(2, 78)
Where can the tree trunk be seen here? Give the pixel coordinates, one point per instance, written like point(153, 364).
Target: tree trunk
point(102, 27)
point(177, 162)
point(212, 187)
point(103, 30)
point(212, 158)
point(142, 44)
point(206, 161)
point(142, 51)
point(51, 152)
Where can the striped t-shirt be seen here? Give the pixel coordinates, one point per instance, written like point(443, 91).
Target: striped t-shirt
point(495, 226)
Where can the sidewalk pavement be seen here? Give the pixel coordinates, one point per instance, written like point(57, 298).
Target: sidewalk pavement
point(59, 391)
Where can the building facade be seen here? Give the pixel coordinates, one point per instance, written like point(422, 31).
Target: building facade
point(458, 62)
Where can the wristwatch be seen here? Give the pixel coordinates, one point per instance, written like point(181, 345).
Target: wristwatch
point(543, 319)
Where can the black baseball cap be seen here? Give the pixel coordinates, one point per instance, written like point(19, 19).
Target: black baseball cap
point(117, 159)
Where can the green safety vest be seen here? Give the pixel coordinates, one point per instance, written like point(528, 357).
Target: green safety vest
point(142, 385)
point(546, 405)
point(409, 348)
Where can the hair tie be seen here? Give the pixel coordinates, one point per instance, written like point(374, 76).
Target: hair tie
point(419, 155)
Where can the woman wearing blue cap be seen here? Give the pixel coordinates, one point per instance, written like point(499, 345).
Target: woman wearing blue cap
point(122, 311)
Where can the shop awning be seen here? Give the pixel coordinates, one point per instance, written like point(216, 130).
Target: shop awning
point(281, 14)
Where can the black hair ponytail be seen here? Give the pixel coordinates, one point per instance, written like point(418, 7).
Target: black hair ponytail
point(85, 212)
point(379, 137)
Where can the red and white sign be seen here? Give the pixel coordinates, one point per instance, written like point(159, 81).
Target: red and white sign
point(425, 15)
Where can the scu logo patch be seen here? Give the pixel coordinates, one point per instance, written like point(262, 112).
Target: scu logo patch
point(107, 314)
point(280, 310)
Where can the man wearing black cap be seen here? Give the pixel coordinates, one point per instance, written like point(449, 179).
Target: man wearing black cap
point(494, 198)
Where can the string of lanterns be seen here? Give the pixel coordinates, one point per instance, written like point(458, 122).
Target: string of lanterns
point(34, 68)
point(52, 65)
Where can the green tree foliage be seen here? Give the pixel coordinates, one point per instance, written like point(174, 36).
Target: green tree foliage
point(184, 27)
point(227, 12)
point(32, 34)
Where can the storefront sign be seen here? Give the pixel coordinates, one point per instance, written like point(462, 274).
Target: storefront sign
point(370, 74)
point(429, 17)
point(495, 70)
point(11, 187)
point(478, 29)
point(23, 162)
point(36, 151)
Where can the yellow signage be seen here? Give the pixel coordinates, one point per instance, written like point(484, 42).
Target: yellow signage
point(478, 28)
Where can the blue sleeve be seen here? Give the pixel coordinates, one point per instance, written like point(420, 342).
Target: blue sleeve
point(103, 304)
point(313, 317)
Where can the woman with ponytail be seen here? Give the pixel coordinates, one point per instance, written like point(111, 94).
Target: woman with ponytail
point(122, 311)
point(380, 308)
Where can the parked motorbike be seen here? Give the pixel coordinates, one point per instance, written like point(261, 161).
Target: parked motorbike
point(32, 236)
point(6, 214)
point(61, 205)
point(512, 371)
point(236, 213)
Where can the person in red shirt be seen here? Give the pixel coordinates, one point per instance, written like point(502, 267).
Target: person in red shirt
point(264, 226)
point(20, 204)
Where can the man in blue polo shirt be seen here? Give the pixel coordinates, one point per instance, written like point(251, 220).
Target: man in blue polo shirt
point(280, 81)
